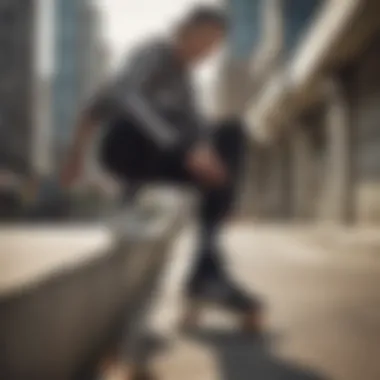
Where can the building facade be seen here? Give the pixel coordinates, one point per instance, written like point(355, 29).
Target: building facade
point(66, 72)
point(17, 23)
point(313, 113)
point(76, 73)
point(17, 74)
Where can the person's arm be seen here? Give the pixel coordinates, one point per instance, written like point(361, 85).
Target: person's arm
point(129, 93)
point(125, 93)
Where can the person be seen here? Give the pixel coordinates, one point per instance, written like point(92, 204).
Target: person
point(153, 132)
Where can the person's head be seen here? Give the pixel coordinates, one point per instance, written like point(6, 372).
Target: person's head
point(200, 32)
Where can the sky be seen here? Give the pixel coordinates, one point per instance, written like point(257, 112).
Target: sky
point(128, 21)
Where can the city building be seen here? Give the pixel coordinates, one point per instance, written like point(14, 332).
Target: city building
point(66, 72)
point(42, 147)
point(17, 75)
point(52, 57)
point(78, 69)
point(94, 66)
point(313, 111)
point(79, 65)
point(17, 24)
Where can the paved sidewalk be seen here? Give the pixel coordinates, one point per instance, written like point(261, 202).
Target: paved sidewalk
point(324, 313)
point(361, 240)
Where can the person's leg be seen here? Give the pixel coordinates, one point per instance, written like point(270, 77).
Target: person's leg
point(230, 142)
point(126, 153)
point(209, 272)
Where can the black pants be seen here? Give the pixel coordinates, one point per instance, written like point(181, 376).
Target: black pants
point(128, 155)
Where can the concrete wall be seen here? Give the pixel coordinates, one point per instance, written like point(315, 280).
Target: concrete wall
point(366, 103)
point(59, 327)
point(336, 196)
point(302, 173)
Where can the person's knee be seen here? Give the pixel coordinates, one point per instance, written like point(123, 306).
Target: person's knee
point(233, 130)
point(221, 193)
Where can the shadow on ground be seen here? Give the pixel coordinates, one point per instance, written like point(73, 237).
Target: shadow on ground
point(242, 357)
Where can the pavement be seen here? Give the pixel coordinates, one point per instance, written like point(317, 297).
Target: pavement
point(323, 312)
point(323, 303)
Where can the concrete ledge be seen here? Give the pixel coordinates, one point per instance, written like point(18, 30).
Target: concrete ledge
point(67, 311)
point(30, 254)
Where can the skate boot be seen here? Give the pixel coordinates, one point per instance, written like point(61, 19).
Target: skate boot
point(223, 293)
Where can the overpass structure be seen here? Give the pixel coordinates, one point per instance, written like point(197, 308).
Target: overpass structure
point(308, 87)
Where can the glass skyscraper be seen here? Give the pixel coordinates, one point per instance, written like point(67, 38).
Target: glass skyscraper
point(245, 22)
point(75, 74)
point(17, 29)
point(67, 71)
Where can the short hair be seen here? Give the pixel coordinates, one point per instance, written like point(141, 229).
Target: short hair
point(202, 15)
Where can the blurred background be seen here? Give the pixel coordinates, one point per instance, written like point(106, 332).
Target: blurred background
point(304, 75)
point(56, 53)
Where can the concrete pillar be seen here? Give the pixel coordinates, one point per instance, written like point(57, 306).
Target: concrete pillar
point(302, 162)
point(261, 184)
point(270, 182)
point(274, 190)
point(235, 87)
point(248, 198)
point(267, 58)
point(285, 181)
point(273, 28)
point(338, 199)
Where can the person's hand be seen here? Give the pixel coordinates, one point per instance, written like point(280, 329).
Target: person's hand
point(71, 171)
point(203, 162)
